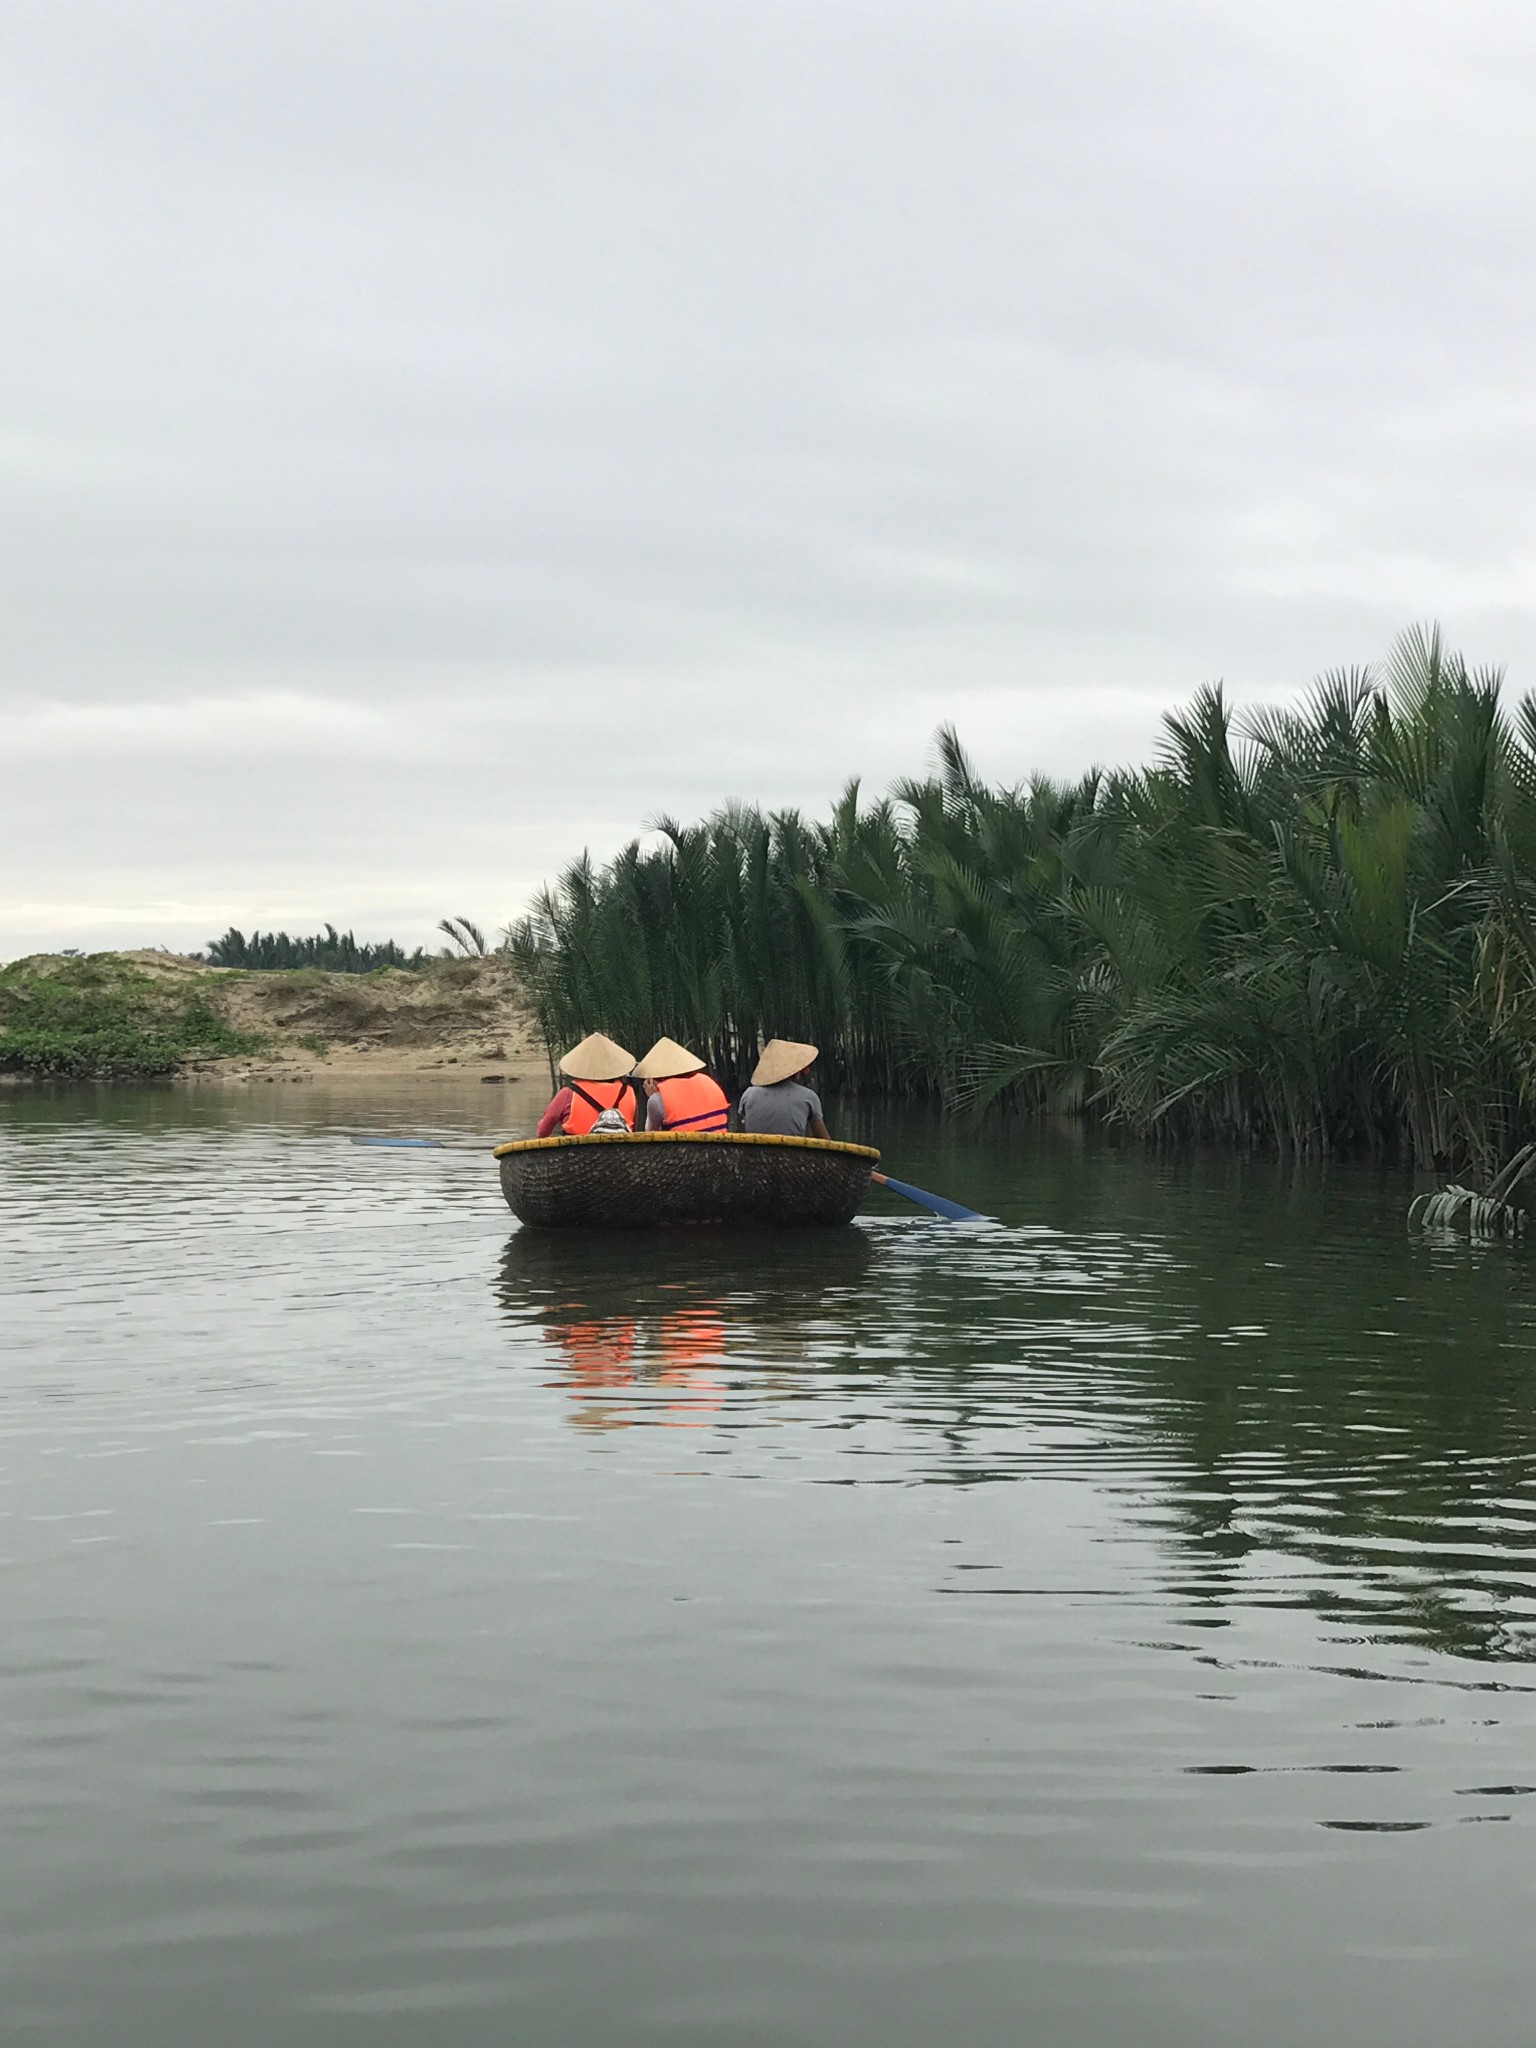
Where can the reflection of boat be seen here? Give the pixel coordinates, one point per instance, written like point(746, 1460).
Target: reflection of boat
point(654, 1177)
point(762, 1278)
point(655, 1328)
point(605, 1365)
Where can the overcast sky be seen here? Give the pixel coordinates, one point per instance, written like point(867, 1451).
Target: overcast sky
point(437, 437)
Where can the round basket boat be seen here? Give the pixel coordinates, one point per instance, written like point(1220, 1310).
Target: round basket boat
point(657, 1177)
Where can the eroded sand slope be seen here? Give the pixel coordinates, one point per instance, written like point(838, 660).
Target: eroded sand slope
point(456, 1018)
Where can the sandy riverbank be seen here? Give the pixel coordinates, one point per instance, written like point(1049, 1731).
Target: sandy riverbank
point(457, 1019)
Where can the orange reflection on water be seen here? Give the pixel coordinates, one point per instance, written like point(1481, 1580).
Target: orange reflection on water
point(606, 1365)
point(596, 1357)
point(688, 1342)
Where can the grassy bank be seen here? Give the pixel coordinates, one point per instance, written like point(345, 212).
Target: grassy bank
point(1311, 929)
point(103, 1018)
point(116, 1016)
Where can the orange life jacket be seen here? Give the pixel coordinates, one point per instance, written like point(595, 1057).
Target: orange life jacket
point(589, 1098)
point(692, 1102)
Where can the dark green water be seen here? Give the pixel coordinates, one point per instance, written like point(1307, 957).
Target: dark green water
point(1112, 1626)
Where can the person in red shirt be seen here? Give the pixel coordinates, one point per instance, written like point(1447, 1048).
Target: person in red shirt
point(596, 1078)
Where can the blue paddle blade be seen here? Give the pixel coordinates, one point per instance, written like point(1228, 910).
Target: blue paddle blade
point(433, 1144)
point(941, 1205)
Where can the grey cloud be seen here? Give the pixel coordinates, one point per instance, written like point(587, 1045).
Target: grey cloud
point(628, 407)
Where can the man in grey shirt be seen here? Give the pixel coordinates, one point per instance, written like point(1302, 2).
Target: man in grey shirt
point(778, 1104)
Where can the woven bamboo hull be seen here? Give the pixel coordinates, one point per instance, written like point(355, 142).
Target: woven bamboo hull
point(662, 1177)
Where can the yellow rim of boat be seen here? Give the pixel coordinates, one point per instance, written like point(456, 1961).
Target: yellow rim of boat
point(685, 1138)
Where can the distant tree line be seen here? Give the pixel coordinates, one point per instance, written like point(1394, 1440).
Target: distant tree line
point(337, 952)
point(1310, 929)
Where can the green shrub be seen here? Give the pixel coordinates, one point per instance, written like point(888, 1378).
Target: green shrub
point(92, 1024)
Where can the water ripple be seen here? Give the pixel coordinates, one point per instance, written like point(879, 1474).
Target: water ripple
point(1059, 1626)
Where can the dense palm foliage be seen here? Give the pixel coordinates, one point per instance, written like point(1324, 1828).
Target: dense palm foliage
point(336, 952)
point(1312, 928)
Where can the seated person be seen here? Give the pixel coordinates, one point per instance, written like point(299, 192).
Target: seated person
point(596, 1079)
point(778, 1104)
point(682, 1096)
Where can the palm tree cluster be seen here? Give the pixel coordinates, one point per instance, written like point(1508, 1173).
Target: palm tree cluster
point(1311, 929)
point(336, 952)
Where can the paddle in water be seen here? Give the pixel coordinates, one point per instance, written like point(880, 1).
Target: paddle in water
point(940, 1205)
point(428, 1144)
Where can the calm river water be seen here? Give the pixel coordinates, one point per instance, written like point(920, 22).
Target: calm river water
point(1111, 1625)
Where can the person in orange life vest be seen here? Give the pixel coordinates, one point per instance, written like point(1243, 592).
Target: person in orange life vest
point(595, 1072)
point(682, 1095)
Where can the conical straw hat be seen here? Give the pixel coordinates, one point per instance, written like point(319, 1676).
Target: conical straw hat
point(666, 1060)
point(597, 1059)
point(781, 1060)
